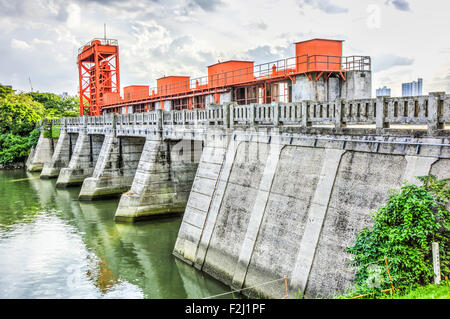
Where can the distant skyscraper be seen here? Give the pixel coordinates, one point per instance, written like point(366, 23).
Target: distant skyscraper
point(412, 88)
point(384, 91)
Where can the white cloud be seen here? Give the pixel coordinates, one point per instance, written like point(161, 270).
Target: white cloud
point(39, 41)
point(19, 44)
point(183, 37)
point(74, 16)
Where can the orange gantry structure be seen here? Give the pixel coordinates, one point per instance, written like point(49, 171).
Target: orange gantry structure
point(98, 64)
point(98, 73)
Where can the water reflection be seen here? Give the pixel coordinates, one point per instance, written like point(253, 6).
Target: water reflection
point(53, 246)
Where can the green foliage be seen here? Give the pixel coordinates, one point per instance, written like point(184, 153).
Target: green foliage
point(433, 291)
point(18, 116)
point(56, 106)
point(403, 231)
point(4, 91)
point(33, 137)
point(19, 113)
point(12, 148)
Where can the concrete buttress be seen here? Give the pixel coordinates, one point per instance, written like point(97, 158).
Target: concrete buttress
point(82, 163)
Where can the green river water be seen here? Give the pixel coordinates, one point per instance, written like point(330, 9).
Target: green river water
point(54, 246)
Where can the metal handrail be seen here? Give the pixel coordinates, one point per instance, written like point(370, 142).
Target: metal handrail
point(283, 67)
point(103, 41)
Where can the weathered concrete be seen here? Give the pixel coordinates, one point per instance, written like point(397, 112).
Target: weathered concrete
point(225, 97)
point(61, 156)
point(273, 193)
point(115, 168)
point(41, 154)
point(257, 215)
point(358, 85)
point(204, 200)
point(271, 210)
point(305, 89)
point(162, 181)
point(82, 163)
point(316, 217)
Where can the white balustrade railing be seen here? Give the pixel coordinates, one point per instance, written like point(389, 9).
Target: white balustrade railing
point(432, 110)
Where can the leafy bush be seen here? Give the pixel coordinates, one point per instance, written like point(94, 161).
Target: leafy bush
point(33, 137)
point(18, 116)
point(403, 231)
point(13, 148)
point(19, 113)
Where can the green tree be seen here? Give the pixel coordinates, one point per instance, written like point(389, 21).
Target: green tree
point(18, 116)
point(19, 113)
point(403, 230)
point(56, 106)
point(4, 91)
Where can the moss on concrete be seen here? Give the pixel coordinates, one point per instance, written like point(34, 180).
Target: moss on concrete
point(103, 193)
point(152, 214)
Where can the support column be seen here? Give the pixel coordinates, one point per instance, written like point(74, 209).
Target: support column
point(115, 168)
point(161, 184)
point(256, 217)
point(417, 166)
point(43, 153)
point(82, 163)
point(316, 217)
point(61, 155)
point(435, 110)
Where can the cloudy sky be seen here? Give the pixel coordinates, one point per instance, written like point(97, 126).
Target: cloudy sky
point(39, 39)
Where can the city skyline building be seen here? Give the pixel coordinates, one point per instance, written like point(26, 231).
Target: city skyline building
point(384, 91)
point(413, 88)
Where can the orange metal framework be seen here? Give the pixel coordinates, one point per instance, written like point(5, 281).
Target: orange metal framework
point(98, 71)
point(248, 83)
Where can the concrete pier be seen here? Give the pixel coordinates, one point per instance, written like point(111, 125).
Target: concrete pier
point(162, 181)
point(42, 153)
point(61, 156)
point(82, 163)
point(115, 168)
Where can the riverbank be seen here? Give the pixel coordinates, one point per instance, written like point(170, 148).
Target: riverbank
point(11, 166)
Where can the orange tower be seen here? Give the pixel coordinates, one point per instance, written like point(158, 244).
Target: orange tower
point(98, 72)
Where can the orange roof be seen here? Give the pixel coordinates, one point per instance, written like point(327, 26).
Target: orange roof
point(173, 76)
point(230, 61)
point(318, 39)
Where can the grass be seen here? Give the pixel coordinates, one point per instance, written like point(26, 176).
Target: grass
point(432, 291)
point(54, 133)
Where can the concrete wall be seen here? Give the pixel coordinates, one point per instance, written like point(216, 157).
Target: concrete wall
point(168, 105)
point(115, 168)
point(209, 99)
point(304, 89)
point(225, 97)
point(358, 85)
point(259, 211)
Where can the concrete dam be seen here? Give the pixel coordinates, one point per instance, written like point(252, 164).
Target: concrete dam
point(266, 190)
